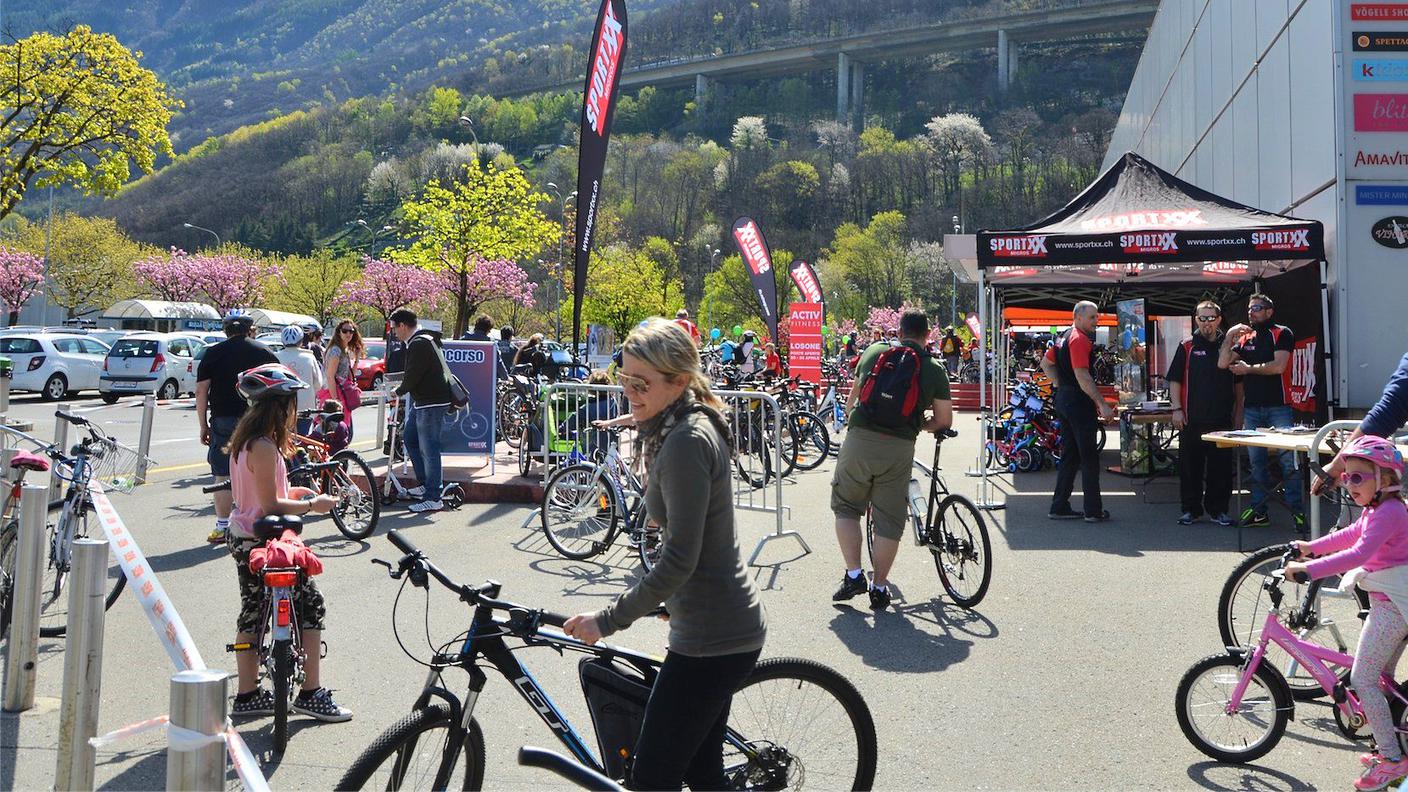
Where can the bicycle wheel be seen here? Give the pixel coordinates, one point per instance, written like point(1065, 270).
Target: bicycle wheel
point(1242, 608)
point(357, 510)
point(754, 460)
point(645, 538)
point(411, 755)
point(796, 722)
point(962, 551)
point(1244, 735)
point(813, 442)
point(53, 600)
point(282, 676)
point(581, 512)
point(513, 416)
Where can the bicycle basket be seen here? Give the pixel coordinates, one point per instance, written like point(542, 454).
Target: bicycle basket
point(616, 696)
point(115, 466)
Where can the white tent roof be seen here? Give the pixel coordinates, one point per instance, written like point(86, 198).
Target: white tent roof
point(960, 252)
point(264, 317)
point(160, 309)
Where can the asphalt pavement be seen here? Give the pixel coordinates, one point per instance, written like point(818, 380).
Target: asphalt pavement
point(1062, 678)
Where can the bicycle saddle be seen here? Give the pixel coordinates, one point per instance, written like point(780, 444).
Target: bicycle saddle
point(24, 460)
point(950, 433)
point(274, 525)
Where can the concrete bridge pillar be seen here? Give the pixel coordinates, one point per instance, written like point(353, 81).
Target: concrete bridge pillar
point(858, 94)
point(843, 87)
point(701, 93)
point(1006, 60)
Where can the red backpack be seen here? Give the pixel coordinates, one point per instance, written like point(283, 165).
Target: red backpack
point(890, 395)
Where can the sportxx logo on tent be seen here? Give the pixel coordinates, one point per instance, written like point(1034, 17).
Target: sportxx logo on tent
point(1019, 247)
point(1154, 242)
point(1151, 218)
point(604, 70)
point(751, 243)
point(1296, 239)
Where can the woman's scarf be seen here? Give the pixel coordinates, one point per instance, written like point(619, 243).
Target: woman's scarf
point(654, 431)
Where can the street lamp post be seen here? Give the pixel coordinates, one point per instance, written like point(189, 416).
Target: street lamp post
point(561, 253)
point(218, 243)
point(478, 147)
point(713, 262)
point(953, 296)
point(371, 246)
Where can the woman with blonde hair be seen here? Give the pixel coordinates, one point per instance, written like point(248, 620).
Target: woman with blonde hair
point(717, 626)
point(340, 365)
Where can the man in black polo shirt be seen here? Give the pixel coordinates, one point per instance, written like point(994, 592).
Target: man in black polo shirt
point(1206, 398)
point(215, 391)
point(1080, 405)
point(1260, 353)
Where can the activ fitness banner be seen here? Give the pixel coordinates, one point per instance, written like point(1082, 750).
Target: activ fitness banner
point(471, 431)
point(758, 257)
point(608, 55)
point(807, 283)
point(804, 341)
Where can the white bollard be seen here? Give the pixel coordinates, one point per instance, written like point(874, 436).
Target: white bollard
point(83, 665)
point(198, 703)
point(22, 648)
point(56, 485)
point(381, 416)
point(145, 443)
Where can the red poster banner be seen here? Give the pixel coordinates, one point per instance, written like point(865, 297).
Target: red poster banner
point(973, 325)
point(1298, 378)
point(804, 341)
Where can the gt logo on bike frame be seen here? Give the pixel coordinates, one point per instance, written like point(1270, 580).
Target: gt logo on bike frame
point(530, 691)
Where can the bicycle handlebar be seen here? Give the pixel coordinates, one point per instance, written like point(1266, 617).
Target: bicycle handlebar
point(577, 773)
point(221, 487)
point(76, 420)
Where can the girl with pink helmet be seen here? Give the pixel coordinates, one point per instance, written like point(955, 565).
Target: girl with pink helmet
point(1373, 551)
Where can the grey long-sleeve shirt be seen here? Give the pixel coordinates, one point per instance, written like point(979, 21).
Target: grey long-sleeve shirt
point(714, 606)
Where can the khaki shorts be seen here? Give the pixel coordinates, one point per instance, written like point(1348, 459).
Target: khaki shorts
point(874, 470)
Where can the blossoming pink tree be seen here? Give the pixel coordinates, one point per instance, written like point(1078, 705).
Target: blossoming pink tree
point(481, 280)
point(21, 277)
point(169, 276)
point(386, 286)
point(225, 280)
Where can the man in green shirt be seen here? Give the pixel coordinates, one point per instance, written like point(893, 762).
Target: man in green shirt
point(873, 469)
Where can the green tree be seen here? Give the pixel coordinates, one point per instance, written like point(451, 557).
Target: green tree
point(90, 262)
point(729, 297)
point(789, 188)
point(80, 111)
point(627, 286)
point(874, 260)
point(492, 214)
point(438, 112)
point(312, 283)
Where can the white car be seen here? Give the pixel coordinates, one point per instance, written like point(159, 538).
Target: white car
point(160, 363)
point(53, 364)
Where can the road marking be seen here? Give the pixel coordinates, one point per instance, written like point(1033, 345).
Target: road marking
point(194, 465)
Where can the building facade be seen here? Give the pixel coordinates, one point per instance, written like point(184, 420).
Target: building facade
point(1297, 107)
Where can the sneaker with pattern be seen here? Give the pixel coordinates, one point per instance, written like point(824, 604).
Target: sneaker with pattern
point(319, 704)
point(1381, 774)
point(259, 702)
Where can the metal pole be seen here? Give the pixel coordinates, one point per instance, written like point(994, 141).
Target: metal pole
point(4, 392)
point(22, 650)
point(381, 418)
point(83, 665)
point(61, 442)
point(198, 701)
point(145, 443)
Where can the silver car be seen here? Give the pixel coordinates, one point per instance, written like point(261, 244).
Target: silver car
point(159, 363)
point(53, 364)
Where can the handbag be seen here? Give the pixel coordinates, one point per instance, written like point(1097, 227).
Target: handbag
point(351, 394)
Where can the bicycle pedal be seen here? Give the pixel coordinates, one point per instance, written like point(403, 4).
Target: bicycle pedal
point(239, 647)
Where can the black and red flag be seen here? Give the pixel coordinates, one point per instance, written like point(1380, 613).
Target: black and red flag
point(807, 283)
point(758, 257)
point(608, 56)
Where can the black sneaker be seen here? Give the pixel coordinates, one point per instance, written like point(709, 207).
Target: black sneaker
point(1254, 519)
point(319, 704)
point(1068, 514)
point(260, 702)
point(879, 598)
point(1101, 517)
point(850, 587)
point(1187, 518)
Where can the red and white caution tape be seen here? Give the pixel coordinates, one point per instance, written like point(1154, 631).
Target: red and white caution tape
point(132, 730)
point(170, 630)
point(182, 739)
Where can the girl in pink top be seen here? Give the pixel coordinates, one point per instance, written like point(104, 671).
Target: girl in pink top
point(259, 483)
point(1378, 543)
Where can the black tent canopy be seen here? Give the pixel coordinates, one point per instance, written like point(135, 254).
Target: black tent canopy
point(1140, 231)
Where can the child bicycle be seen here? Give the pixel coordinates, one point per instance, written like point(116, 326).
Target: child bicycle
point(785, 705)
point(952, 528)
point(311, 466)
point(1234, 706)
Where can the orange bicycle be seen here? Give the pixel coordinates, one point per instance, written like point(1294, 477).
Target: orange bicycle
point(312, 466)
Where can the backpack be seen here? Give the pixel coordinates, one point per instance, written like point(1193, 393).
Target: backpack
point(739, 356)
point(890, 395)
point(950, 345)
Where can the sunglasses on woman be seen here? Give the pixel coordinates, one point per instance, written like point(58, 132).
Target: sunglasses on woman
point(1356, 478)
point(348, 330)
point(633, 383)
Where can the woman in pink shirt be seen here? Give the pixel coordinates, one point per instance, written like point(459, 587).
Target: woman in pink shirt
point(1377, 543)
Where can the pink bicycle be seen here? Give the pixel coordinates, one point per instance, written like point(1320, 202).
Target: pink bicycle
point(1234, 707)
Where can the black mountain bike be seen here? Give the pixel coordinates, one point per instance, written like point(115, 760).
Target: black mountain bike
point(793, 722)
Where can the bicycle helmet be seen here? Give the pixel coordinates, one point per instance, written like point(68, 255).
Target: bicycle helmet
point(292, 335)
point(310, 326)
point(270, 379)
point(238, 317)
point(1377, 450)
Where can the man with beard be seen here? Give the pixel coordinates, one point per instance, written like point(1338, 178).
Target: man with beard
point(1260, 353)
point(1206, 398)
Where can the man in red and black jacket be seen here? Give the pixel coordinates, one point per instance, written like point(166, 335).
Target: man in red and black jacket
point(1206, 398)
point(1260, 353)
point(1080, 405)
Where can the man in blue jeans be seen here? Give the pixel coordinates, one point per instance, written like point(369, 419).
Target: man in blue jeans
point(426, 382)
point(1260, 351)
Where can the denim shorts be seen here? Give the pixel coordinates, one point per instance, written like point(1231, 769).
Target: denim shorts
point(220, 430)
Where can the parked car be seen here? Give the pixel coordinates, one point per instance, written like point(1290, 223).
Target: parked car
point(107, 336)
point(371, 370)
point(160, 363)
point(53, 364)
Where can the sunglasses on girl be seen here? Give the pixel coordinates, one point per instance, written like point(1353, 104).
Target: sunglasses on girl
point(633, 383)
point(1356, 478)
point(348, 330)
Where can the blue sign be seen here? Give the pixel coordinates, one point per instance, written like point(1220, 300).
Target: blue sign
point(471, 431)
point(1381, 194)
point(1380, 70)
